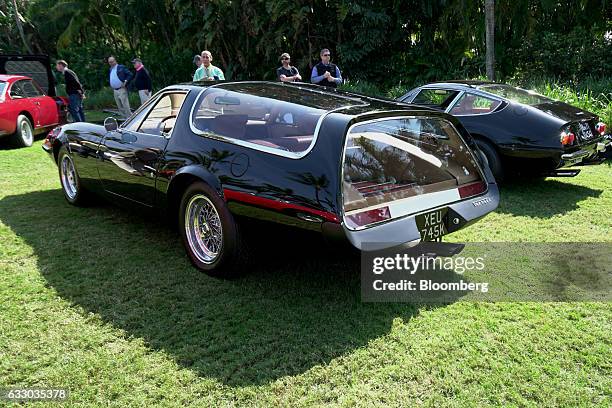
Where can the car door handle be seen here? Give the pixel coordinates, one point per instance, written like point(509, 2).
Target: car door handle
point(37, 103)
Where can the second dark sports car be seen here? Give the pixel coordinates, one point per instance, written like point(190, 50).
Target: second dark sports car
point(377, 173)
point(518, 130)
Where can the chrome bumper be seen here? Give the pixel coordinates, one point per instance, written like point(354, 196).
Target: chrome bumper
point(405, 231)
point(602, 146)
point(575, 157)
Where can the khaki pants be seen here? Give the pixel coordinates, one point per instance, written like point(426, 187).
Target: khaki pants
point(144, 95)
point(122, 101)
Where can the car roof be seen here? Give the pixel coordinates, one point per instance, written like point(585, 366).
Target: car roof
point(11, 78)
point(465, 82)
point(321, 97)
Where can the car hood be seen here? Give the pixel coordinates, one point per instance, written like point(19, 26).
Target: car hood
point(565, 112)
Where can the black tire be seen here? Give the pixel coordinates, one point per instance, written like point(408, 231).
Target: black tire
point(24, 135)
point(72, 188)
point(217, 249)
point(495, 163)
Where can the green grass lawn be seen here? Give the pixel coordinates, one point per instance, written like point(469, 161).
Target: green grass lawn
point(104, 302)
point(96, 116)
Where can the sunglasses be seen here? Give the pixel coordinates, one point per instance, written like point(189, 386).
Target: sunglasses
point(327, 55)
point(285, 59)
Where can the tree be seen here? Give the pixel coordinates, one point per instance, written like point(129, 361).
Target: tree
point(20, 27)
point(490, 38)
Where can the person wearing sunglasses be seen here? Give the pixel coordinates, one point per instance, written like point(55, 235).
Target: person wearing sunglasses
point(287, 73)
point(325, 73)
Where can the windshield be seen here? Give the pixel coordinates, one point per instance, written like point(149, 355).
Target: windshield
point(418, 163)
point(516, 94)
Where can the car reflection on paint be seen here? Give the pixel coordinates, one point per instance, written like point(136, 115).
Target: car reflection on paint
point(367, 170)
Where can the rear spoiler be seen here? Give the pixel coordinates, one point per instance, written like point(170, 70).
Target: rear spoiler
point(37, 67)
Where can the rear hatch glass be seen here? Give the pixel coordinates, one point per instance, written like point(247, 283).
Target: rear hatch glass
point(31, 68)
point(401, 166)
point(516, 94)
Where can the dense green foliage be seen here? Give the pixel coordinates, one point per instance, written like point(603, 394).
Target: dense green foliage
point(385, 42)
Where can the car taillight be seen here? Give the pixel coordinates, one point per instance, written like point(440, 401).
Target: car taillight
point(601, 128)
point(472, 189)
point(567, 138)
point(369, 217)
point(53, 135)
point(55, 132)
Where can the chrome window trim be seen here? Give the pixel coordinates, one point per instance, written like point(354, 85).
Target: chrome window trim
point(363, 227)
point(450, 105)
point(481, 94)
point(147, 103)
point(454, 101)
point(10, 88)
point(255, 146)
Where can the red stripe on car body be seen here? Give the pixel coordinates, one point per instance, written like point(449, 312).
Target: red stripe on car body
point(275, 204)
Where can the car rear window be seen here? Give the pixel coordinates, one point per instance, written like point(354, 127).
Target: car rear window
point(2, 89)
point(33, 69)
point(402, 166)
point(471, 104)
point(436, 98)
point(516, 94)
point(276, 118)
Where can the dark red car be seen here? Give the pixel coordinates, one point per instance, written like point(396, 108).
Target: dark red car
point(28, 105)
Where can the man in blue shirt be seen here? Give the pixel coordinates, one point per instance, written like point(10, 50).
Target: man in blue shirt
point(325, 73)
point(119, 77)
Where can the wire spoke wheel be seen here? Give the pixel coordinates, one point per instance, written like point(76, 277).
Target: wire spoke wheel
point(68, 177)
point(26, 133)
point(203, 228)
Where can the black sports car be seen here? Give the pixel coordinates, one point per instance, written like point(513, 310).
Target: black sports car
point(518, 130)
point(376, 172)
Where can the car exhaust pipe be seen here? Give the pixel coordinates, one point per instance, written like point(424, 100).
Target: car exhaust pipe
point(563, 173)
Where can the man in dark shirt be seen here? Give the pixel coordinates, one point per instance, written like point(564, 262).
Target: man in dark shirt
point(75, 91)
point(142, 81)
point(325, 73)
point(287, 73)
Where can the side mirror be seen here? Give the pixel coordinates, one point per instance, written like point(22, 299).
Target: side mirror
point(110, 124)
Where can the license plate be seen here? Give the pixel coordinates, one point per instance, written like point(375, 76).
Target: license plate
point(585, 131)
point(432, 225)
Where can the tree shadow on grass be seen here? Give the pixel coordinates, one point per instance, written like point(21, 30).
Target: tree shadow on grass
point(542, 198)
point(298, 306)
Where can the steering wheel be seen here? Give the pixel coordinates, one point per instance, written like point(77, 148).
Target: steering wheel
point(160, 127)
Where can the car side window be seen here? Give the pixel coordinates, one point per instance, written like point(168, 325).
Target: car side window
point(263, 122)
point(133, 123)
point(161, 119)
point(17, 91)
point(471, 104)
point(436, 98)
point(31, 90)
